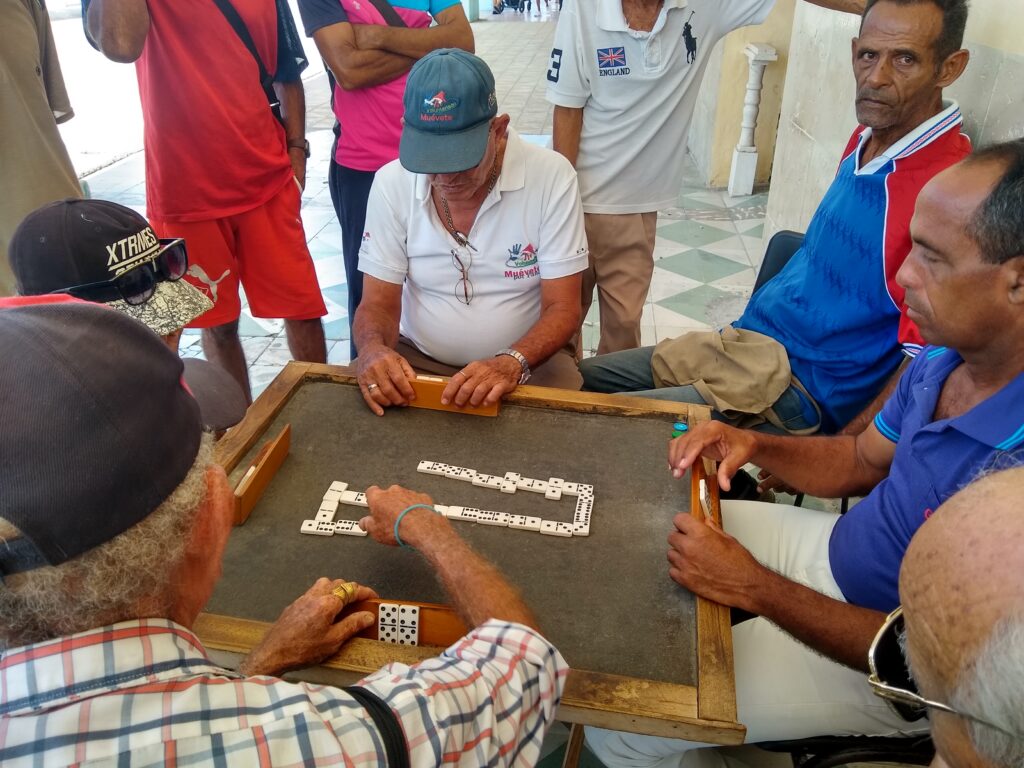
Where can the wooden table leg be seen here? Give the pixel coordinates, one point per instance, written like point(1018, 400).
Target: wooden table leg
point(573, 747)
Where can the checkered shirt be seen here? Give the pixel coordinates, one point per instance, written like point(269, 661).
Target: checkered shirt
point(144, 693)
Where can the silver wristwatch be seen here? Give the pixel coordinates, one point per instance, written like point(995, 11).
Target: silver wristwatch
point(518, 357)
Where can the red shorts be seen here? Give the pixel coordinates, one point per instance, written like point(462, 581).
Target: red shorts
point(264, 249)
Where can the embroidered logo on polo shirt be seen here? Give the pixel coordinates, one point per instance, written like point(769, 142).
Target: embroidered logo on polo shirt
point(436, 108)
point(523, 262)
point(690, 40)
point(611, 62)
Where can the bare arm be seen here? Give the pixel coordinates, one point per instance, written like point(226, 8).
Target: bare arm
point(847, 6)
point(711, 563)
point(566, 128)
point(559, 319)
point(487, 381)
point(451, 31)
point(119, 28)
point(293, 110)
point(822, 466)
point(353, 67)
point(376, 321)
point(384, 376)
point(477, 589)
point(865, 417)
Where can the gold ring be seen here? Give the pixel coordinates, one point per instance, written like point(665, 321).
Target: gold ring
point(345, 590)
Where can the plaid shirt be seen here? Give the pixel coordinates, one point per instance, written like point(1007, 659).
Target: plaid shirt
point(144, 693)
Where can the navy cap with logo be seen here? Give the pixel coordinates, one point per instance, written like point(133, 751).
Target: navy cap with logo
point(449, 103)
point(71, 243)
point(96, 429)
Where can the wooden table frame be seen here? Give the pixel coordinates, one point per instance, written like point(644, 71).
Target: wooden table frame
point(706, 712)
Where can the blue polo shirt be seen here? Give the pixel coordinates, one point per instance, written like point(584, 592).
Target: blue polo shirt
point(933, 460)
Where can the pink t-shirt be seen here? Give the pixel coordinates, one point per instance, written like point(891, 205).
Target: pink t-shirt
point(371, 118)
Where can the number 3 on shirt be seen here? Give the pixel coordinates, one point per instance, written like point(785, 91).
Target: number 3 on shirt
point(556, 64)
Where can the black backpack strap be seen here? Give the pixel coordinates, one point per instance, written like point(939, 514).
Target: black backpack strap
point(389, 13)
point(242, 31)
point(387, 725)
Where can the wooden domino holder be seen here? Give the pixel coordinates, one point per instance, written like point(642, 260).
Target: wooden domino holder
point(439, 625)
point(428, 395)
point(262, 470)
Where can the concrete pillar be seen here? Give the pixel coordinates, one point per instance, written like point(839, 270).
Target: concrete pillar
point(744, 156)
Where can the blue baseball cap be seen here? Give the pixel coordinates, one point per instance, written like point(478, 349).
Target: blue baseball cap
point(449, 103)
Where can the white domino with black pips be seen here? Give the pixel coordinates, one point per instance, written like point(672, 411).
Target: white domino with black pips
point(553, 489)
point(398, 623)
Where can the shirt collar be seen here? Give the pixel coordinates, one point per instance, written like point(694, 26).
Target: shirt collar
point(927, 132)
point(511, 177)
point(55, 672)
point(611, 19)
point(997, 422)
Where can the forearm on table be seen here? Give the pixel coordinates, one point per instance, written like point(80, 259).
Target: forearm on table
point(821, 466)
point(567, 125)
point(841, 631)
point(119, 27)
point(478, 590)
point(556, 326)
point(293, 109)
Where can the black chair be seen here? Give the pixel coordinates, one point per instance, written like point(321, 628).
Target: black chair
point(834, 751)
point(780, 250)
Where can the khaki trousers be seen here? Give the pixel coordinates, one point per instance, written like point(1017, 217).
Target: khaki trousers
point(559, 370)
point(621, 265)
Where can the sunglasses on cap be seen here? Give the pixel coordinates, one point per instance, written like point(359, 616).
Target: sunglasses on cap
point(137, 285)
point(890, 678)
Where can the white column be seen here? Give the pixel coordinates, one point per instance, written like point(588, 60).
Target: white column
point(744, 156)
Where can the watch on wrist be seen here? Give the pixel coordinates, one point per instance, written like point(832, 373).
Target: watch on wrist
point(518, 357)
point(302, 144)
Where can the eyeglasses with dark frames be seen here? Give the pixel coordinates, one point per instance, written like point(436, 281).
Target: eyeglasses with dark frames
point(890, 678)
point(137, 285)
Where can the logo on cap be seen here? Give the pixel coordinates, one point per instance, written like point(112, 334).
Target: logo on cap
point(131, 251)
point(436, 107)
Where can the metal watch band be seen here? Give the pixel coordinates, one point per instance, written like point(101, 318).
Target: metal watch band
point(518, 357)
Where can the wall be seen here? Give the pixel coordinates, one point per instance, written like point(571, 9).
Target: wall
point(716, 121)
point(817, 108)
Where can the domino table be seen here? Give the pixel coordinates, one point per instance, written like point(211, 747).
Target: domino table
point(646, 655)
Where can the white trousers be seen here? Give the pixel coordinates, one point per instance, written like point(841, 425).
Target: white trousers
point(784, 690)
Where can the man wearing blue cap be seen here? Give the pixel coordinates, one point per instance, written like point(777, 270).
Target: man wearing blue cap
point(473, 250)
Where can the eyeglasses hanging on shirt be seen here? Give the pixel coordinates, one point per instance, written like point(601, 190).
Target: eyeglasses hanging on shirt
point(462, 259)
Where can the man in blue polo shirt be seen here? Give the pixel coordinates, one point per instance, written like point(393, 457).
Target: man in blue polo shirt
point(832, 324)
point(370, 46)
point(819, 584)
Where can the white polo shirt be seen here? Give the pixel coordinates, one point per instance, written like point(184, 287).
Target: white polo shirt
point(529, 228)
point(638, 91)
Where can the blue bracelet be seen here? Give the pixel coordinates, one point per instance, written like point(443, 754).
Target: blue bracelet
point(404, 512)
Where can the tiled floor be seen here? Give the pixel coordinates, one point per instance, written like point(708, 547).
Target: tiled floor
point(706, 254)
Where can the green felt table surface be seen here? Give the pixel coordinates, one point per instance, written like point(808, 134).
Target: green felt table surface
point(605, 600)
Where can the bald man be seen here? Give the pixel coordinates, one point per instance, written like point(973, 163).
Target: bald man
point(962, 587)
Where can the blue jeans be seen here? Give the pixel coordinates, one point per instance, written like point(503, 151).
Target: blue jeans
point(630, 371)
point(349, 192)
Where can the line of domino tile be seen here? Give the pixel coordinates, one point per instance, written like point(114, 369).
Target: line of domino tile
point(323, 524)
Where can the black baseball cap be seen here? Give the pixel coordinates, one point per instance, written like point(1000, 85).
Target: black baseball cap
point(74, 242)
point(96, 429)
